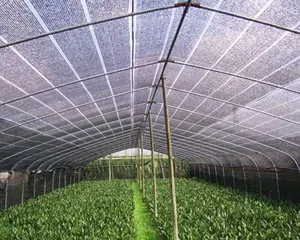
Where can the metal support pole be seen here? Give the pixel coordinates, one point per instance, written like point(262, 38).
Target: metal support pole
point(140, 165)
point(45, 185)
point(277, 183)
point(79, 172)
point(153, 165)
point(6, 194)
point(143, 166)
point(259, 182)
point(209, 178)
point(216, 174)
point(109, 168)
point(34, 180)
point(102, 166)
point(202, 171)
point(53, 175)
point(98, 171)
point(233, 177)
point(65, 177)
point(137, 168)
point(169, 145)
point(23, 189)
point(90, 24)
point(59, 176)
point(245, 179)
point(74, 177)
point(223, 171)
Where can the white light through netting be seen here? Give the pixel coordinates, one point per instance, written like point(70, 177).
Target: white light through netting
point(70, 97)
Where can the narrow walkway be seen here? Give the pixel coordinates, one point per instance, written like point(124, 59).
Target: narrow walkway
point(142, 220)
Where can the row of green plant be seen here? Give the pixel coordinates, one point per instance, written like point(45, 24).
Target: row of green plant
point(126, 167)
point(88, 210)
point(114, 161)
point(208, 211)
point(117, 172)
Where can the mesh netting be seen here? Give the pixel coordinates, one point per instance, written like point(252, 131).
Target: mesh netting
point(80, 86)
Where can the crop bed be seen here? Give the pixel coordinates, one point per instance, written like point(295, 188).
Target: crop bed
point(114, 210)
point(88, 210)
point(208, 211)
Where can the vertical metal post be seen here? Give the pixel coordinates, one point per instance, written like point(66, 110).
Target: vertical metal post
point(137, 168)
point(277, 183)
point(65, 177)
point(98, 170)
point(200, 172)
point(140, 165)
point(45, 185)
point(74, 177)
point(53, 176)
point(79, 173)
point(6, 194)
point(216, 174)
point(153, 165)
point(223, 171)
point(113, 171)
point(233, 177)
point(194, 167)
point(102, 166)
point(169, 145)
point(245, 179)
point(209, 178)
point(59, 176)
point(143, 165)
point(259, 181)
point(178, 168)
point(34, 180)
point(109, 168)
point(23, 189)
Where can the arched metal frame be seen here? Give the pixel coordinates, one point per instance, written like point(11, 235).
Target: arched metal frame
point(101, 146)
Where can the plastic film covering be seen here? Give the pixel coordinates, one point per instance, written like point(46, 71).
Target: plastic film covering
point(71, 94)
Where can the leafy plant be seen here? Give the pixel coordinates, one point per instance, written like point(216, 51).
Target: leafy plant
point(88, 210)
point(208, 211)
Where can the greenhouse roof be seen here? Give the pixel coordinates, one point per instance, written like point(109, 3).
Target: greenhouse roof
point(78, 79)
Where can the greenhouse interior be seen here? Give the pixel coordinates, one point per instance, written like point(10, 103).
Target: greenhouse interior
point(150, 119)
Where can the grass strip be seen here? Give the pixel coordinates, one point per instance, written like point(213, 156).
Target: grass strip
point(141, 217)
